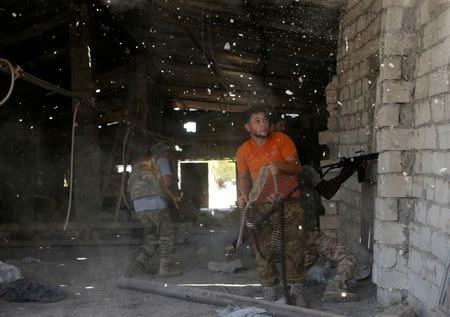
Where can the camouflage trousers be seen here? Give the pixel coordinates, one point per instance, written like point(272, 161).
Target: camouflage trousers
point(158, 232)
point(319, 244)
point(294, 248)
point(302, 248)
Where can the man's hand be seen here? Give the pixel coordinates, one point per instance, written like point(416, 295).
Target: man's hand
point(242, 201)
point(274, 167)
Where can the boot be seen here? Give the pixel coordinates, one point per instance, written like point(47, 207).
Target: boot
point(297, 297)
point(168, 269)
point(270, 293)
point(336, 292)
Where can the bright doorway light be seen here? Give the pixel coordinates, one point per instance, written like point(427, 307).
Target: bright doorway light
point(190, 126)
point(119, 168)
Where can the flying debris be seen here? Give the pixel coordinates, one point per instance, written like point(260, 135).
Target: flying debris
point(288, 92)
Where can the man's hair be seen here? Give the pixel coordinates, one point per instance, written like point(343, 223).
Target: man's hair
point(252, 110)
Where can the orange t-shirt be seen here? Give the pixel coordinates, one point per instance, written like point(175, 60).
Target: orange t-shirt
point(251, 157)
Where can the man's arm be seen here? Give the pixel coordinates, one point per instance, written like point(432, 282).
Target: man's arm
point(165, 172)
point(243, 188)
point(291, 166)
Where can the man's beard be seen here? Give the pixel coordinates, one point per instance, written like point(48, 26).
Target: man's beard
point(260, 135)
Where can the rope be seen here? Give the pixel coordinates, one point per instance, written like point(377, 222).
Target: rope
point(71, 164)
point(14, 75)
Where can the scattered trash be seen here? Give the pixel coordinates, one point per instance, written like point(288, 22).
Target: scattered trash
point(25, 290)
point(236, 311)
point(9, 273)
point(228, 267)
point(29, 260)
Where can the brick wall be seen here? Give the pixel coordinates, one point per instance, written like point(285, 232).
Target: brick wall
point(391, 94)
point(430, 230)
point(351, 104)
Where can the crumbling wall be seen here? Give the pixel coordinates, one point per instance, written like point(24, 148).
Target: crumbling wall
point(396, 142)
point(351, 100)
point(407, 79)
point(430, 231)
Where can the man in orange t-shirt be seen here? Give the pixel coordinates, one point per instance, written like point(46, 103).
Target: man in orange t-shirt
point(277, 152)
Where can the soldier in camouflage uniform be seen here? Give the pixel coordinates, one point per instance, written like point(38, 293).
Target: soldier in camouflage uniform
point(317, 243)
point(150, 204)
point(276, 152)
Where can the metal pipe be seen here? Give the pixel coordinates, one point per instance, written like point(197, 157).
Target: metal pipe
point(218, 299)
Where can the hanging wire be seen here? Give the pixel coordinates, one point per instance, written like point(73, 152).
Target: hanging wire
point(14, 75)
point(77, 103)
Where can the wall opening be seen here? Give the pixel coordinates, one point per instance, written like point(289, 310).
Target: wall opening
point(208, 184)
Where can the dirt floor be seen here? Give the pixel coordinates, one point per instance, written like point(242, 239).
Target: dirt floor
point(89, 274)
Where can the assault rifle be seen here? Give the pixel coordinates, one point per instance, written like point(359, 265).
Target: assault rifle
point(357, 162)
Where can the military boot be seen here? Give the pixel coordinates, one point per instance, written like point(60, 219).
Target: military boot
point(168, 269)
point(270, 293)
point(336, 292)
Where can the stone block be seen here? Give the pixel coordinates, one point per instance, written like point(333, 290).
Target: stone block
point(439, 82)
point(392, 18)
point(343, 150)
point(389, 232)
point(395, 139)
point(440, 245)
point(398, 311)
point(424, 63)
point(386, 209)
point(439, 107)
point(424, 138)
point(437, 29)
point(424, 162)
point(444, 136)
point(397, 43)
point(441, 163)
point(422, 113)
point(388, 116)
point(396, 91)
point(445, 219)
point(388, 297)
point(434, 215)
point(384, 256)
point(417, 259)
point(440, 54)
point(422, 87)
point(389, 162)
point(423, 14)
point(441, 194)
point(420, 237)
point(394, 185)
point(423, 289)
point(344, 93)
point(331, 95)
point(421, 208)
point(390, 279)
point(391, 68)
point(326, 137)
point(332, 123)
point(429, 187)
point(434, 269)
point(417, 189)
